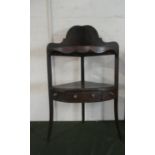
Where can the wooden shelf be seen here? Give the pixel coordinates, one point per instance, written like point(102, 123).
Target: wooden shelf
point(86, 86)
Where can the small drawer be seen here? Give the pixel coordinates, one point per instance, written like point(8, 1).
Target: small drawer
point(83, 96)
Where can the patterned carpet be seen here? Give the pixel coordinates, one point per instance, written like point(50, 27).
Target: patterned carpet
point(75, 138)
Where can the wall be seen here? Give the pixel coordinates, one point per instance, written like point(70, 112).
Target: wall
point(50, 20)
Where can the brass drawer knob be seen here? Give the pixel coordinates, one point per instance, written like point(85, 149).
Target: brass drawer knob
point(55, 94)
point(75, 96)
point(111, 93)
point(93, 95)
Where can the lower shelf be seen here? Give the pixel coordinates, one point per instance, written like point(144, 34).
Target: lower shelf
point(88, 92)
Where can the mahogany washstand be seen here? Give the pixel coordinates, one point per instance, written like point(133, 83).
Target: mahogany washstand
point(82, 41)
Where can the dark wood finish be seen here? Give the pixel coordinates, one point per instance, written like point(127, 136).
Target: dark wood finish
point(83, 50)
point(116, 97)
point(83, 96)
point(49, 70)
point(83, 112)
point(82, 41)
point(83, 85)
point(76, 92)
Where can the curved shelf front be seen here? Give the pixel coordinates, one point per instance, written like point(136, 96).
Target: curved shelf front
point(88, 50)
point(77, 92)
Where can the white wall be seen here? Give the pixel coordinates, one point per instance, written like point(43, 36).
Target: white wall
point(50, 20)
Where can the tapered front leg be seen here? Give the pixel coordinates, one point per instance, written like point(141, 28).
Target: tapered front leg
point(50, 125)
point(116, 117)
point(49, 71)
point(116, 76)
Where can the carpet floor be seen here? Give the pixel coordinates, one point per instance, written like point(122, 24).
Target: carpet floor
point(75, 138)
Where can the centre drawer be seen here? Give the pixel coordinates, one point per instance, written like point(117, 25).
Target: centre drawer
point(83, 96)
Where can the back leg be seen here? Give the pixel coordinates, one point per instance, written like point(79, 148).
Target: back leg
point(83, 112)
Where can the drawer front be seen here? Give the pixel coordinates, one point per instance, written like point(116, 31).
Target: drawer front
point(108, 95)
point(83, 96)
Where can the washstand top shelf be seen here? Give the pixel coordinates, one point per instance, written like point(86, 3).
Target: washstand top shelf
point(82, 41)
